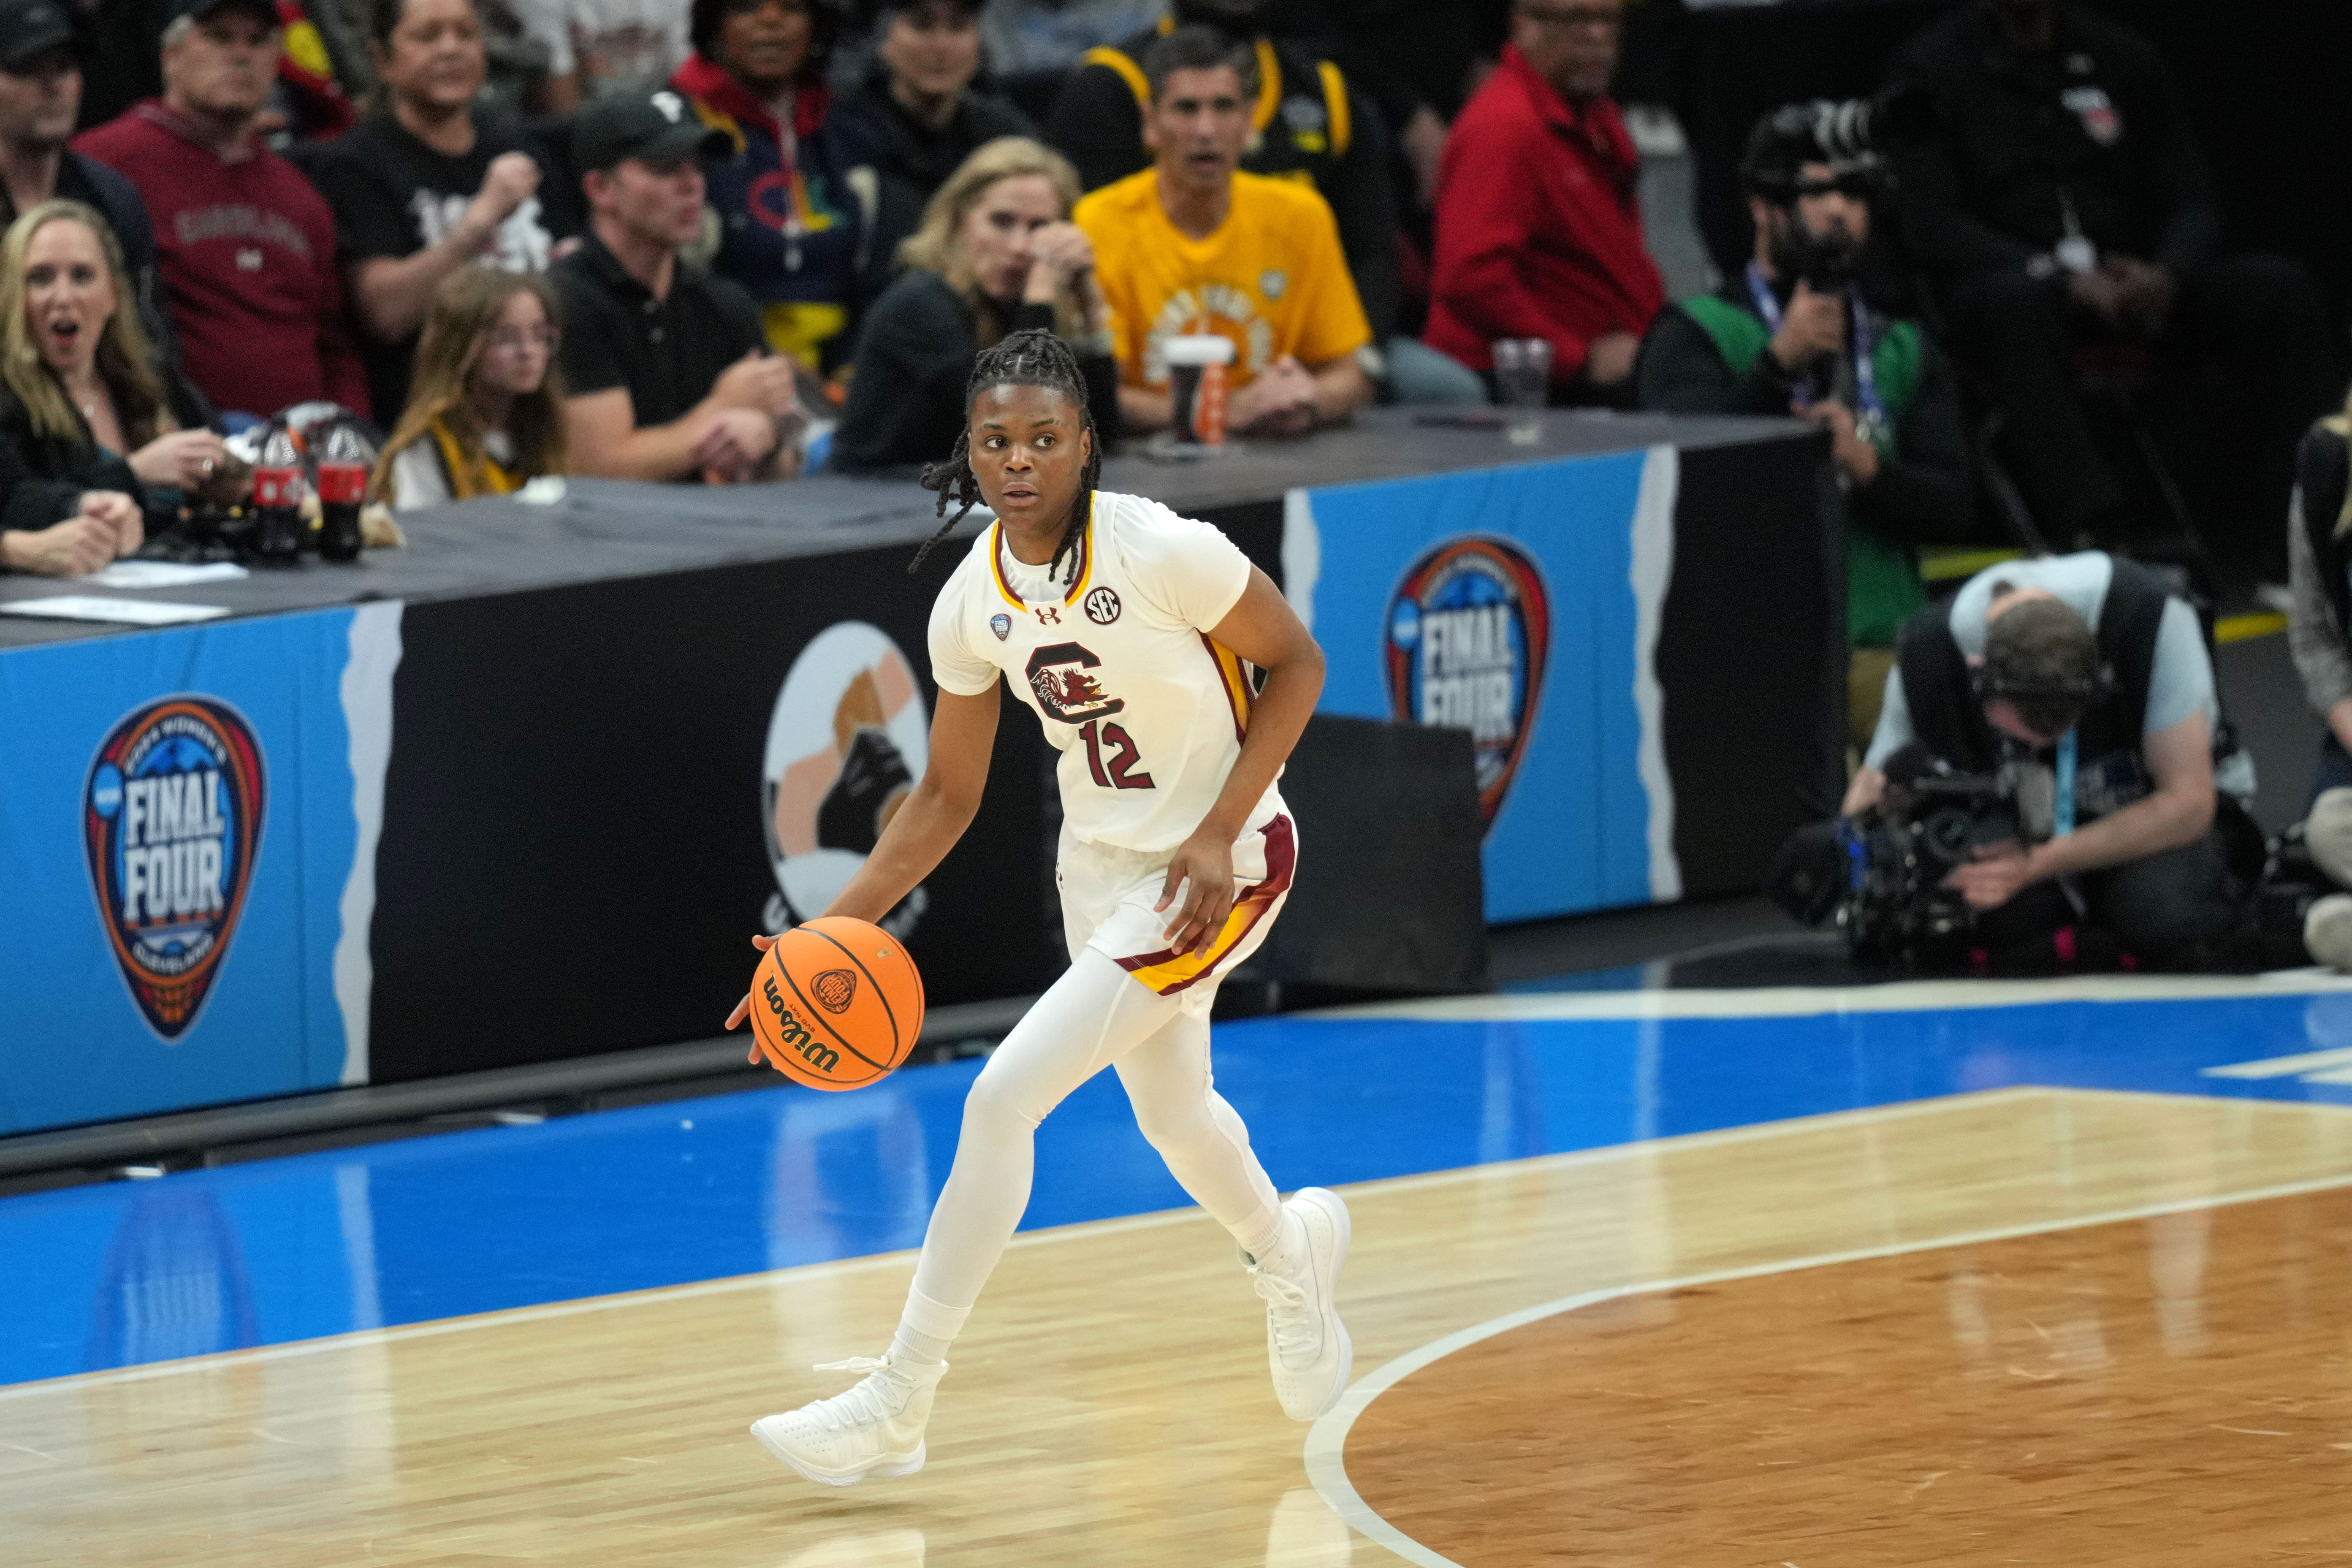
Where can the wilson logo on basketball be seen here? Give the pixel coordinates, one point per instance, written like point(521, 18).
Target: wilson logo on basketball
point(792, 1035)
point(834, 989)
point(1468, 634)
point(171, 821)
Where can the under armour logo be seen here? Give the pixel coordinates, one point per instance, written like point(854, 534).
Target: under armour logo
point(1048, 614)
point(671, 105)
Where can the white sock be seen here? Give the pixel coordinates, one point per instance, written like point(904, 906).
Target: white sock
point(914, 1348)
point(1275, 1241)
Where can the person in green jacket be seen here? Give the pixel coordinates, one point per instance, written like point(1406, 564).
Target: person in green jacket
point(1796, 333)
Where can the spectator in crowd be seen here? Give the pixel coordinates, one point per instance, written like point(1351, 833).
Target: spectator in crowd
point(1305, 123)
point(1191, 245)
point(81, 396)
point(2319, 630)
point(917, 119)
point(485, 412)
point(2066, 204)
point(40, 96)
point(321, 69)
point(666, 371)
point(246, 247)
point(2081, 670)
point(996, 254)
point(790, 228)
point(65, 507)
point(1796, 334)
point(598, 46)
point(1538, 231)
point(423, 187)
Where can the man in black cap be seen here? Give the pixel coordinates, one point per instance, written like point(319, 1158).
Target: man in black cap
point(40, 98)
point(666, 369)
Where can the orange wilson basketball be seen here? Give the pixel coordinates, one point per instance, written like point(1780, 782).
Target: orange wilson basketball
point(836, 1004)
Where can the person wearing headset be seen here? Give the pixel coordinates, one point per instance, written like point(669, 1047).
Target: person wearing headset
point(2086, 682)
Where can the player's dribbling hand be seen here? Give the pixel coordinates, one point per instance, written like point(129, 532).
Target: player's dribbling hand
point(743, 1008)
point(1203, 866)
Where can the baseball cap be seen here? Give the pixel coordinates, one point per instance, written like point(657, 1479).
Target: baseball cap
point(659, 127)
point(883, 9)
point(31, 28)
point(200, 9)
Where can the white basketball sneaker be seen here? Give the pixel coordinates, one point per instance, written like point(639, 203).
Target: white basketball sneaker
point(875, 1429)
point(1305, 1343)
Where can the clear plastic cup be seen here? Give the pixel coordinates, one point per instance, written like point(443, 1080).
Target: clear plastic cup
point(1523, 384)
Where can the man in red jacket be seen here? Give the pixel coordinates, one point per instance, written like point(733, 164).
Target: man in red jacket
point(246, 246)
point(1539, 234)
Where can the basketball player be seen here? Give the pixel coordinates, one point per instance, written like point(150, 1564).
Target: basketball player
point(1126, 627)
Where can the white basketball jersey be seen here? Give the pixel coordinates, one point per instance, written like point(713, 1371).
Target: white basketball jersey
point(1147, 711)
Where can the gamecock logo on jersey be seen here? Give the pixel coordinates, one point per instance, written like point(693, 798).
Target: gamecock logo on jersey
point(1062, 675)
point(1468, 633)
point(172, 820)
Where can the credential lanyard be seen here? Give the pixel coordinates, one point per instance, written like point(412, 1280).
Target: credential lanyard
point(2062, 811)
point(1872, 415)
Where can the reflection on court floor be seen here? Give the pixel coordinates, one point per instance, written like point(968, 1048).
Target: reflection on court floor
point(549, 1339)
point(2170, 1387)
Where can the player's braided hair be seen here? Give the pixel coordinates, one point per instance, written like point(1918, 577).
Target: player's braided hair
point(1032, 357)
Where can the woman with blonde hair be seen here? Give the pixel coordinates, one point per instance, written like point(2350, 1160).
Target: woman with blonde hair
point(484, 411)
point(996, 254)
point(82, 407)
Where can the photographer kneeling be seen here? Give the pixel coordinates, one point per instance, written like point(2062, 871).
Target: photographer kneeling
point(2081, 689)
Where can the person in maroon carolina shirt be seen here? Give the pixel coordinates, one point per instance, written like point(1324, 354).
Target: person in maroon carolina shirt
point(245, 247)
point(1539, 234)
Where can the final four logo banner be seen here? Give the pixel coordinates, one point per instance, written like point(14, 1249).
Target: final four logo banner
point(172, 824)
point(1468, 632)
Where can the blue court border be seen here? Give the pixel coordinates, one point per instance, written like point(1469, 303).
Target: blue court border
point(132, 1273)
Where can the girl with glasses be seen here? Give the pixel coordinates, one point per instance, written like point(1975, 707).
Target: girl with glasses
point(485, 413)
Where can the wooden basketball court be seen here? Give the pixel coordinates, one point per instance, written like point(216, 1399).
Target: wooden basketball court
point(2039, 1325)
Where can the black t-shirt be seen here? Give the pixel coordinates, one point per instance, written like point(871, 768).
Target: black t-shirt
point(668, 353)
point(393, 195)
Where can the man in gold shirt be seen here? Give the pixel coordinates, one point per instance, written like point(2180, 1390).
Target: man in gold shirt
point(1192, 246)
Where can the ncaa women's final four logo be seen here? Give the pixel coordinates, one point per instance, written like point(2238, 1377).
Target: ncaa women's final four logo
point(171, 819)
point(1468, 632)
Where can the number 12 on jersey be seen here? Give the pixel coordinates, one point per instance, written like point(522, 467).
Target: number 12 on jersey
point(1118, 771)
